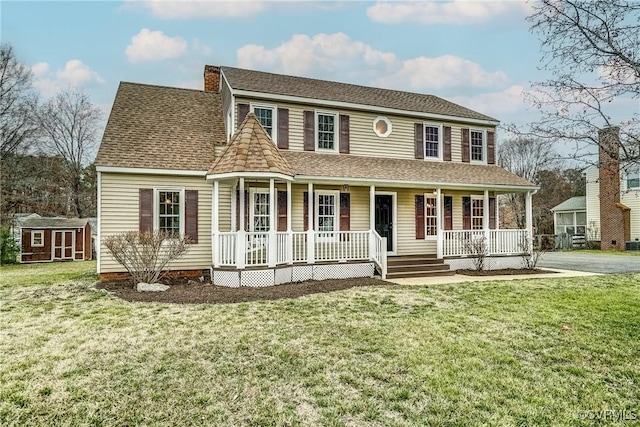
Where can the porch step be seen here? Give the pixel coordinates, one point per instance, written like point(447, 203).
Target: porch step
point(417, 266)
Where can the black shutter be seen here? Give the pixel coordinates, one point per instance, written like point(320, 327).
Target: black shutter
point(466, 213)
point(420, 216)
point(446, 149)
point(283, 128)
point(191, 215)
point(491, 148)
point(309, 131)
point(466, 157)
point(282, 211)
point(145, 219)
point(345, 212)
point(418, 138)
point(246, 210)
point(492, 213)
point(448, 213)
point(305, 209)
point(243, 110)
point(344, 134)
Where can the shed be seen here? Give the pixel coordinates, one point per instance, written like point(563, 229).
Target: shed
point(570, 216)
point(55, 239)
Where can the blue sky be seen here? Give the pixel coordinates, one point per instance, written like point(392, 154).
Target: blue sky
point(476, 53)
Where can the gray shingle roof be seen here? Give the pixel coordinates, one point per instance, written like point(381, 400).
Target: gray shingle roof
point(408, 170)
point(55, 223)
point(162, 127)
point(578, 203)
point(259, 81)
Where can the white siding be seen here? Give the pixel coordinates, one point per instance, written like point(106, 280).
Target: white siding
point(631, 198)
point(593, 201)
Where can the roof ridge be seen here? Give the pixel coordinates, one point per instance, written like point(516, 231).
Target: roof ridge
point(122, 82)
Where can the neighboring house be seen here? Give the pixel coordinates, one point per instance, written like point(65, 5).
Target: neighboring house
point(279, 178)
point(55, 239)
point(570, 216)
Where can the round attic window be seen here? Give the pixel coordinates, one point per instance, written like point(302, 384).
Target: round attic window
point(382, 126)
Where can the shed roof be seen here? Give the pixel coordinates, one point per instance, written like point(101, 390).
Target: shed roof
point(578, 203)
point(280, 84)
point(55, 223)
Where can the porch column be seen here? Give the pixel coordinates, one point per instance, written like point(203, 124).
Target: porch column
point(215, 222)
point(273, 244)
point(311, 244)
point(485, 222)
point(372, 220)
point(440, 220)
point(529, 220)
point(289, 232)
point(242, 236)
point(234, 206)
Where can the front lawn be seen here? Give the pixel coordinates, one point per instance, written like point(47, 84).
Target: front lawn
point(531, 352)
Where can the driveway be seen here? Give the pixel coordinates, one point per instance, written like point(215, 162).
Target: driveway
point(594, 263)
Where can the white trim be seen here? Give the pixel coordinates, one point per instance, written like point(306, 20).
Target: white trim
point(394, 201)
point(98, 220)
point(151, 171)
point(412, 184)
point(336, 130)
point(336, 211)
point(274, 117)
point(440, 128)
point(389, 126)
point(252, 206)
point(481, 197)
point(361, 107)
point(156, 205)
point(433, 196)
point(230, 175)
point(63, 247)
point(33, 232)
point(484, 147)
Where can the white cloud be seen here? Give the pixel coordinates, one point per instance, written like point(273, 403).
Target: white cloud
point(507, 104)
point(336, 56)
point(444, 12)
point(442, 72)
point(74, 73)
point(150, 45)
point(186, 9)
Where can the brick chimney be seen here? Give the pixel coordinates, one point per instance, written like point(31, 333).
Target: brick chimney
point(614, 216)
point(211, 78)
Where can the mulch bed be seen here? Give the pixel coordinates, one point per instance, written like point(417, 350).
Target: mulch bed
point(503, 272)
point(185, 291)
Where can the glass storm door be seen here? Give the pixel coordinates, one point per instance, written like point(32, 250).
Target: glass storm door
point(384, 218)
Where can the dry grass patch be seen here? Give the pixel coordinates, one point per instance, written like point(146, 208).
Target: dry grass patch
point(492, 353)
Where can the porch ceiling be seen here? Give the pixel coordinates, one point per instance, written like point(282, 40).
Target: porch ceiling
point(402, 172)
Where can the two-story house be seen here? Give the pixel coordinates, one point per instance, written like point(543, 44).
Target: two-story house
point(279, 178)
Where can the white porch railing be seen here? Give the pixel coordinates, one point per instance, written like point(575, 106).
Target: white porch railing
point(498, 242)
point(294, 247)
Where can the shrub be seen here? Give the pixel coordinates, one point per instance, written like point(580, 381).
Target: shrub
point(145, 255)
point(9, 249)
point(531, 252)
point(477, 248)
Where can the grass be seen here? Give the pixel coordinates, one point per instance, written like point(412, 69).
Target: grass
point(532, 352)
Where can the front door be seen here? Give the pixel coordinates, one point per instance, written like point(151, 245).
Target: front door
point(384, 218)
point(63, 245)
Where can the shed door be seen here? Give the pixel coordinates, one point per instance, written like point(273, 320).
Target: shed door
point(63, 244)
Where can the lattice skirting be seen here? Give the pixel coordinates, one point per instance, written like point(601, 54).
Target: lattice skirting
point(491, 263)
point(257, 278)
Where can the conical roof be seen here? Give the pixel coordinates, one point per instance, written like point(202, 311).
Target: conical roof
point(251, 150)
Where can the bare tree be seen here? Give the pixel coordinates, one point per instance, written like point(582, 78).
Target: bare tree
point(69, 124)
point(592, 50)
point(18, 102)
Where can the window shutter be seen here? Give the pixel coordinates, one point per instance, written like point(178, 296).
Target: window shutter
point(466, 213)
point(492, 213)
point(448, 213)
point(466, 157)
point(145, 221)
point(309, 131)
point(344, 134)
point(283, 128)
point(191, 214)
point(345, 212)
point(491, 148)
point(418, 138)
point(282, 211)
point(305, 209)
point(246, 210)
point(243, 110)
point(420, 216)
point(446, 148)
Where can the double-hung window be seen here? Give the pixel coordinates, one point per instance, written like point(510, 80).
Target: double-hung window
point(633, 180)
point(260, 209)
point(432, 141)
point(169, 215)
point(327, 131)
point(477, 145)
point(37, 238)
point(430, 216)
point(477, 213)
point(266, 115)
point(327, 210)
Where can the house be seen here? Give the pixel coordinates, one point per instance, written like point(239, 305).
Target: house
point(613, 196)
point(55, 239)
point(280, 178)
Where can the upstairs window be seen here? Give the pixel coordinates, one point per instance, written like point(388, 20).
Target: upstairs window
point(327, 131)
point(266, 116)
point(432, 135)
point(477, 146)
point(633, 180)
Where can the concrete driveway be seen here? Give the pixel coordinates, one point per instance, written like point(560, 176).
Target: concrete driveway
point(594, 263)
